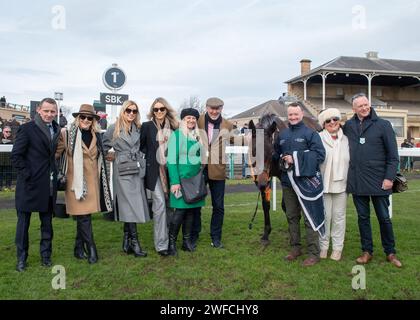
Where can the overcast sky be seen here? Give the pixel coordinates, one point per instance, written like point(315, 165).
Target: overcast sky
point(239, 50)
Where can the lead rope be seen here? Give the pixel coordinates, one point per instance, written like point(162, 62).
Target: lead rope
point(255, 212)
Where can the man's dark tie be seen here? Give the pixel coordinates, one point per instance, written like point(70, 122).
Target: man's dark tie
point(51, 130)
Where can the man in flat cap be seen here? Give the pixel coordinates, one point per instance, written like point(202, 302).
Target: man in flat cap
point(216, 132)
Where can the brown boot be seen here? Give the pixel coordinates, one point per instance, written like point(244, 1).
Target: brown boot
point(393, 259)
point(310, 261)
point(293, 255)
point(364, 258)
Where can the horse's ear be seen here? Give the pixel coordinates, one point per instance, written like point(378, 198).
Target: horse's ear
point(273, 127)
point(251, 126)
point(280, 124)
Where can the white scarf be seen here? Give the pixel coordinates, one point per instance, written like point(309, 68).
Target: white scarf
point(79, 183)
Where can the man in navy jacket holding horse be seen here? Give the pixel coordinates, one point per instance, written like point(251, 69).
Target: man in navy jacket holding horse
point(301, 151)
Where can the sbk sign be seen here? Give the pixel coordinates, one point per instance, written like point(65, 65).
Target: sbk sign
point(113, 98)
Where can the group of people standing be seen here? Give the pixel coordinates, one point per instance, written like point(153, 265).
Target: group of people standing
point(152, 156)
point(360, 158)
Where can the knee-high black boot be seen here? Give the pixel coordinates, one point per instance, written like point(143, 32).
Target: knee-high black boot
point(186, 231)
point(134, 241)
point(126, 239)
point(79, 248)
point(174, 226)
point(87, 236)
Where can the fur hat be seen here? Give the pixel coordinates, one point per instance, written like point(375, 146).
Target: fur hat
point(328, 114)
point(88, 110)
point(190, 112)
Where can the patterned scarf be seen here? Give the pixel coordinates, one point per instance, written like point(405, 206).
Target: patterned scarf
point(162, 137)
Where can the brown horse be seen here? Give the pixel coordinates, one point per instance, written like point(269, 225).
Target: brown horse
point(260, 161)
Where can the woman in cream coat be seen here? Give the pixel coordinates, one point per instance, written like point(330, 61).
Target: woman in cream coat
point(334, 172)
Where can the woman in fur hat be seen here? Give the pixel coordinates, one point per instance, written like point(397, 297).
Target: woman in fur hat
point(334, 173)
point(184, 161)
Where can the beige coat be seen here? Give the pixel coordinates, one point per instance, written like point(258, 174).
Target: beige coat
point(216, 151)
point(91, 203)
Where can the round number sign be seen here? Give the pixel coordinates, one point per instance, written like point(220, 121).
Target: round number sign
point(114, 78)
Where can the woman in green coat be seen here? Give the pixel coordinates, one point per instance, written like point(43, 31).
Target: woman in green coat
point(183, 162)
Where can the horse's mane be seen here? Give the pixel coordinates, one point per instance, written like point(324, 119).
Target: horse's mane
point(267, 120)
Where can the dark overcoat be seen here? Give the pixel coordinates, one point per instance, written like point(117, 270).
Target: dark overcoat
point(149, 146)
point(33, 156)
point(373, 155)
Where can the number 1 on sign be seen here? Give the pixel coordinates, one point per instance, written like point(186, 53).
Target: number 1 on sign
point(114, 75)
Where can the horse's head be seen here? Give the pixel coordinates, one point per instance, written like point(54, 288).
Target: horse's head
point(270, 125)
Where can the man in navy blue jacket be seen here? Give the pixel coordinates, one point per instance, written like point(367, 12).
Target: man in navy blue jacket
point(33, 156)
point(298, 139)
point(373, 167)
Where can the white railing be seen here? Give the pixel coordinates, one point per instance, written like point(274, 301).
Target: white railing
point(6, 147)
point(409, 152)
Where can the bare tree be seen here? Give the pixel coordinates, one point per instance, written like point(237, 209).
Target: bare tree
point(192, 102)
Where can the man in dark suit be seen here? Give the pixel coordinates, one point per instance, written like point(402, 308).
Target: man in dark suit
point(33, 157)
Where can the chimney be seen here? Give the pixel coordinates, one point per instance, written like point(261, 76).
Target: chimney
point(372, 55)
point(305, 66)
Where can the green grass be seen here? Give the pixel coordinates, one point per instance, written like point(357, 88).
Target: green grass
point(243, 270)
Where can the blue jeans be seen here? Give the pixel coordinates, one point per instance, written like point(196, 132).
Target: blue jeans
point(380, 203)
point(217, 191)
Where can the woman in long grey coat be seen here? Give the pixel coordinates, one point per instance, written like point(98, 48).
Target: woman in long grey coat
point(122, 142)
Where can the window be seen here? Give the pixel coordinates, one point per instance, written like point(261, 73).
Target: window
point(379, 92)
point(397, 125)
point(340, 92)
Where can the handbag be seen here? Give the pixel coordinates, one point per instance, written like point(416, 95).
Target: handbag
point(400, 183)
point(128, 168)
point(132, 167)
point(60, 209)
point(194, 189)
point(62, 168)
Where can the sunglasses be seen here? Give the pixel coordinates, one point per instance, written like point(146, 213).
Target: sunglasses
point(162, 109)
point(335, 119)
point(82, 117)
point(133, 111)
point(214, 108)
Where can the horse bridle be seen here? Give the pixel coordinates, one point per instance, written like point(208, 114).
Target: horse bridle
point(267, 190)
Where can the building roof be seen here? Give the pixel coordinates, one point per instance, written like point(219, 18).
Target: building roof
point(366, 65)
point(278, 107)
